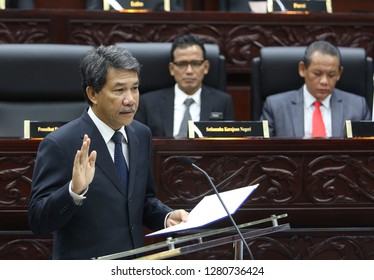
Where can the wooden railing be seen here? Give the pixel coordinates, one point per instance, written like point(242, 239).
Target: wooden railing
point(325, 187)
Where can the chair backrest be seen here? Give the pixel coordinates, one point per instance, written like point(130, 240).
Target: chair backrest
point(155, 58)
point(276, 70)
point(39, 82)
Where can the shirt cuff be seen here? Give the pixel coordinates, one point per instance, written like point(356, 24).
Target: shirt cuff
point(77, 198)
point(166, 218)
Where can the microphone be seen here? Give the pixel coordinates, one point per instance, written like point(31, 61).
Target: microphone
point(188, 161)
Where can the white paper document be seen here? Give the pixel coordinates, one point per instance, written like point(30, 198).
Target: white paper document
point(210, 209)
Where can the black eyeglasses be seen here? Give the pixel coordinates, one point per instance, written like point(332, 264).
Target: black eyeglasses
point(195, 64)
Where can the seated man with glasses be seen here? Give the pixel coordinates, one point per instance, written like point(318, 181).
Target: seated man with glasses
point(165, 110)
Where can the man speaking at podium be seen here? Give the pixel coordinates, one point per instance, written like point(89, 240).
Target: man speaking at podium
point(93, 186)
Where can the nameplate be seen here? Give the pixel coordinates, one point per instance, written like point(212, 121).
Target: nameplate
point(226, 129)
point(40, 129)
point(359, 129)
point(285, 6)
point(134, 5)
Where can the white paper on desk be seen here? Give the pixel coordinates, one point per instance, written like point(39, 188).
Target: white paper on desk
point(210, 209)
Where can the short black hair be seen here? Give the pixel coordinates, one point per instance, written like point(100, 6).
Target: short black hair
point(185, 41)
point(95, 64)
point(322, 47)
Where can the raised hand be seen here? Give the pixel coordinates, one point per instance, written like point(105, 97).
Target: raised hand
point(84, 167)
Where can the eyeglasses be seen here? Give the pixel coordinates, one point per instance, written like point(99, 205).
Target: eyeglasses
point(195, 64)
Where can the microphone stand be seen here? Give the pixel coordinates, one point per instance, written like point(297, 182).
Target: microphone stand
point(188, 161)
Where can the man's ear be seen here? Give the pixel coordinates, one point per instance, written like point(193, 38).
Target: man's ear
point(91, 94)
point(302, 69)
point(206, 66)
point(340, 72)
point(171, 68)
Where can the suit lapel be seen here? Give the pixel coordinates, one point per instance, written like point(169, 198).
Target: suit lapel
point(297, 114)
point(206, 104)
point(103, 161)
point(337, 115)
point(167, 112)
point(133, 147)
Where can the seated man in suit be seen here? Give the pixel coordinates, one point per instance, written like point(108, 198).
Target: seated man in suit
point(163, 110)
point(292, 113)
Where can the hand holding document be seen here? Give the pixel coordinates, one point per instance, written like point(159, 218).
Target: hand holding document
point(210, 209)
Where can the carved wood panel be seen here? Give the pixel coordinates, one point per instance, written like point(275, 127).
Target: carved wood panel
point(309, 181)
point(24, 246)
point(15, 176)
point(325, 186)
point(299, 245)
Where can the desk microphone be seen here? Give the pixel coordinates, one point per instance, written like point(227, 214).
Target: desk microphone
point(188, 161)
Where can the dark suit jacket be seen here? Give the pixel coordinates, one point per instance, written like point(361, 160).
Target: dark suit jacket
point(109, 220)
point(285, 112)
point(156, 108)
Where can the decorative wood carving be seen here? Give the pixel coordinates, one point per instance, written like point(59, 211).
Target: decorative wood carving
point(25, 31)
point(315, 246)
point(325, 178)
point(25, 249)
point(301, 245)
point(325, 187)
point(15, 176)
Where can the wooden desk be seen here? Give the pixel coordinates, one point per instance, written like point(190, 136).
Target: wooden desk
point(301, 177)
point(325, 187)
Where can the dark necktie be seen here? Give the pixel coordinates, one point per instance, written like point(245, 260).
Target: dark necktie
point(119, 160)
point(318, 126)
point(183, 128)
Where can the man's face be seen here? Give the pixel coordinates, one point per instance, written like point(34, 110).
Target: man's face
point(322, 74)
point(118, 100)
point(189, 68)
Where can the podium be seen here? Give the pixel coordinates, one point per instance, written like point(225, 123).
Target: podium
point(185, 244)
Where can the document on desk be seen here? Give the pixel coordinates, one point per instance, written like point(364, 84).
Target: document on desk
point(210, 209)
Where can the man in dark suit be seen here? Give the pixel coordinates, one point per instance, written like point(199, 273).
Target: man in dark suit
point(163, 110)
point(290, 114)
point(76, 192)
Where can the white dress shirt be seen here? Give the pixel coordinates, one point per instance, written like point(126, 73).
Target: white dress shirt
point(308, 113)
point(179, 107)
point(107, 133)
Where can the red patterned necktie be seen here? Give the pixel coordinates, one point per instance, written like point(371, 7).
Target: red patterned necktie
point(318, 127)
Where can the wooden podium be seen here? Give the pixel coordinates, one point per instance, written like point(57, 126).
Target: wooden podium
point(196, 242)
